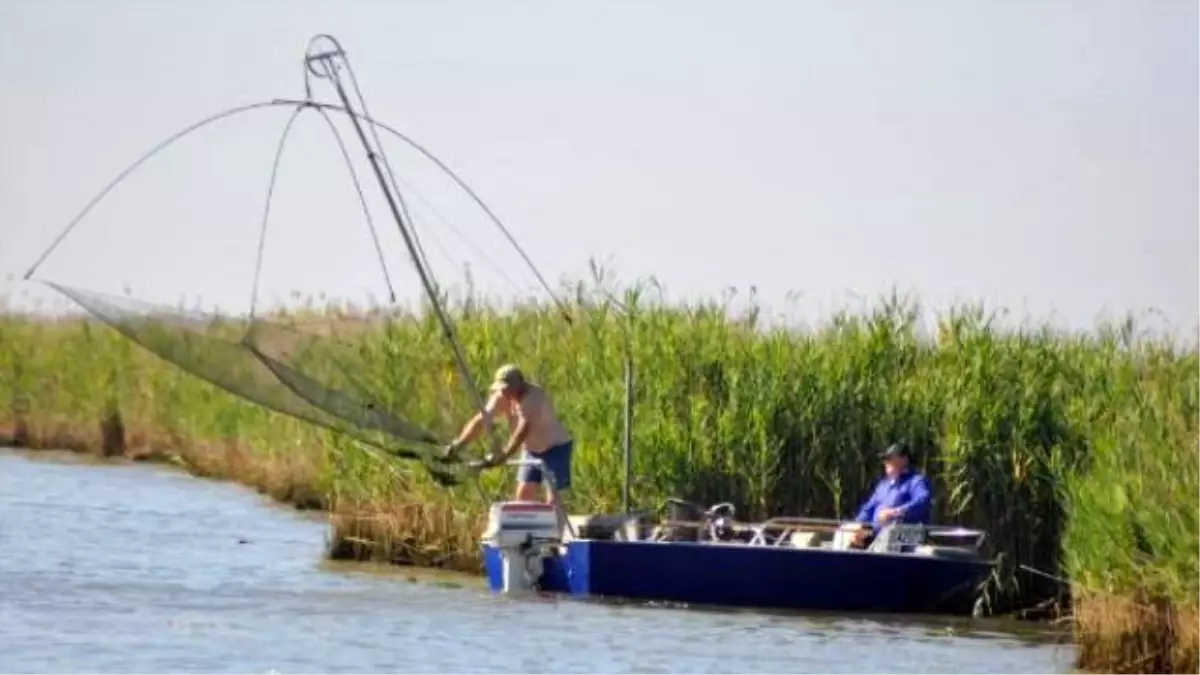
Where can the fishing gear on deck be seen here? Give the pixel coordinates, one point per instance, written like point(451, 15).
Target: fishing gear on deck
point(278, 367)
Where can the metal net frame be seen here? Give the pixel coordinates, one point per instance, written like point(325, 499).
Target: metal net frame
point(270, 364)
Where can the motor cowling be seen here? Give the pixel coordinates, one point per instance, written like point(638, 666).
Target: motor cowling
point(526, 534)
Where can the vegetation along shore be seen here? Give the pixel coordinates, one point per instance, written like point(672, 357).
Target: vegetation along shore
point(1077, 452)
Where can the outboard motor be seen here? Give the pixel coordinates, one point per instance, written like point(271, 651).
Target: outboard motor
point(526, 533)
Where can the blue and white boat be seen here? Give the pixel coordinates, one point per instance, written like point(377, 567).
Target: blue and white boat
point(781, 563)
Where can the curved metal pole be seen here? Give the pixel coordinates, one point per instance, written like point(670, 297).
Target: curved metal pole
point(337, 136)
point(266, 217)
point(133, 167)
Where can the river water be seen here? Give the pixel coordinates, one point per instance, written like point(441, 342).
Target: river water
point(117, 567)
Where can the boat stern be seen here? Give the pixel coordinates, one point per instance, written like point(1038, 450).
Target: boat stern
point(521, 538)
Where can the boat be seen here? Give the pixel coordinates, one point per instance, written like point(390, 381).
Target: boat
point(784, 563)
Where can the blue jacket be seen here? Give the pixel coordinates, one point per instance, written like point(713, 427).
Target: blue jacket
point(909, 492)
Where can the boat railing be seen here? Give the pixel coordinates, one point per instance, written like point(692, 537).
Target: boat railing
point(889, 537)
point(785, 526)
point(778, 531)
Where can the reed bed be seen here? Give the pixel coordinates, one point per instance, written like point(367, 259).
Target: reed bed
point(1077, 452)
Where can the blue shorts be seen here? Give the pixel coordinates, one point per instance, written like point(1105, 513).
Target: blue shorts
point(557, 458)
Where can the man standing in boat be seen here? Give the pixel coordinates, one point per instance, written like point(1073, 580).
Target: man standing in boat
point(534, 428)
point(902, 496)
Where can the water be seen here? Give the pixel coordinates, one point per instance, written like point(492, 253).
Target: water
point(122, 567)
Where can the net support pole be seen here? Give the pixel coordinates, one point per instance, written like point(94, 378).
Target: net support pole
point(628, 440)
point(329, 71)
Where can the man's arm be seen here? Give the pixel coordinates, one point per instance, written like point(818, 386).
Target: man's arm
point(515, 440)
point(866, 514)
point(475, 425)
point(916, 508)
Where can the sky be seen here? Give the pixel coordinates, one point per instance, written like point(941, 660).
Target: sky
point(1034, 156)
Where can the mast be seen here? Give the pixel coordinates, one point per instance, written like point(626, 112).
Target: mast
point(322, 64)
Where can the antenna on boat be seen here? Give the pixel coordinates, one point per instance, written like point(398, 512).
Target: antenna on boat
point(325, 65)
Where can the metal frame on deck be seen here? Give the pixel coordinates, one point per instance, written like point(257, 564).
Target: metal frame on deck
point(787, 525)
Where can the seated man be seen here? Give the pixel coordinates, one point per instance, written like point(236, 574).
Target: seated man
point(901, 496)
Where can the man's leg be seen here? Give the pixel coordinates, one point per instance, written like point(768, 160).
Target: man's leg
point(527, 492)
point(528, 479)
point(558, 461)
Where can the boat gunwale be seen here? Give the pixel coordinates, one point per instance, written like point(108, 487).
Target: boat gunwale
point(976, 560)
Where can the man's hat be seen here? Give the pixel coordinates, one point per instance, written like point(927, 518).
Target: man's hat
point(896, 450)
point(507, 375)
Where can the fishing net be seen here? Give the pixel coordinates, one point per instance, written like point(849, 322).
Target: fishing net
point(263, 362)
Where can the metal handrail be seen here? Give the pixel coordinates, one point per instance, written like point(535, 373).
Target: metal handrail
point(785, 524)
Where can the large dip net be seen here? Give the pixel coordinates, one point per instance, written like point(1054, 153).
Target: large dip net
point(310, 377)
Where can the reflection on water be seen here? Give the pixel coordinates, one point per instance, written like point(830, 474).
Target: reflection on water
point(120, 567)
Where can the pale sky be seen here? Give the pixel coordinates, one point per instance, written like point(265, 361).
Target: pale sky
point(1039, 156)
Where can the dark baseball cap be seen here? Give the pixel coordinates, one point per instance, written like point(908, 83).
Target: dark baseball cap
point(896, 450)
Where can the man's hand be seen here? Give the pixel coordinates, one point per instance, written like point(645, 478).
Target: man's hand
point(888, 514)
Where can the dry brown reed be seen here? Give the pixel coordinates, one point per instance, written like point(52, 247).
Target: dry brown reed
point(1119, 634)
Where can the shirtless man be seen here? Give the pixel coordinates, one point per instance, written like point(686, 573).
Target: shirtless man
point(534, 428)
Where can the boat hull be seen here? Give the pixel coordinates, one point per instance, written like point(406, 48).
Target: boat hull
point(738, 575)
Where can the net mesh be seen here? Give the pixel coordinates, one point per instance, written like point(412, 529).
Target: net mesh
point(277, 367)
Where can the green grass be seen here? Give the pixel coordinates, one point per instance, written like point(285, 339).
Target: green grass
point(1077, 452)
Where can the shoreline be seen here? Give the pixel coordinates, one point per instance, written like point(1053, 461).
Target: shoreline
point(353, 537)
